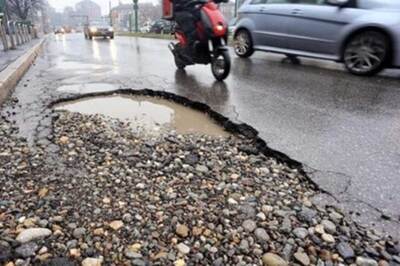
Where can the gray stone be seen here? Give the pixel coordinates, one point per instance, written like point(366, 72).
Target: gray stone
point(261, 235)
point(132, 255)
point(59, 262)
point(127, 218)
point(362, 261)
point(287, 252)
point(249, 225)
point(72, 244)
point(182, 248)
point(79, 232)
point(5, 251)
point(286, 226)
point(27, 250)
point(329, 226)
point(32, 234)
point(336, 217)
point(307, 214)
point(345, 250)
point(244, 246)
point(300, 232)
point(302, 258)
point(202, 169)
point(138, 262)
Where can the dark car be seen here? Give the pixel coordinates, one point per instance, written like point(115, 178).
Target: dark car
point(98, 29)
point(161, 26)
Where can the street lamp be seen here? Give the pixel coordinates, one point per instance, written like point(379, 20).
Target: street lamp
point(236, 8)
point(135, 9)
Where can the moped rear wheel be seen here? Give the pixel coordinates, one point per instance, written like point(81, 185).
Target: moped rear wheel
point(221, 65)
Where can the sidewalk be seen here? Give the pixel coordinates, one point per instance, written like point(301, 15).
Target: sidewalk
point(6, 58)
point(15, 63)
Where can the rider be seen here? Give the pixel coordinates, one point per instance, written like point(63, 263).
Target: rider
point(186, 15)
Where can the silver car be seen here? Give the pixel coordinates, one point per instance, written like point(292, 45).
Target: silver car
point(364, 34)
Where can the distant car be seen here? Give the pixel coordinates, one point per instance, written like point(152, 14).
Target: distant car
point(98, 29)
point(161, 26)
point(59, 31)
point(363, 34)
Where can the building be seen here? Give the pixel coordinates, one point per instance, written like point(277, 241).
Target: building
point(228, 10)
point(123, 14)
point(89, 9)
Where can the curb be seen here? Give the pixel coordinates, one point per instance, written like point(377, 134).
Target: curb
point(12, 74)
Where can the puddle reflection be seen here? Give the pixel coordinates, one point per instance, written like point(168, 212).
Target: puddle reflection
point(151, 114)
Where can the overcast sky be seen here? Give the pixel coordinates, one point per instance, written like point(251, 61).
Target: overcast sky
point(60, 4)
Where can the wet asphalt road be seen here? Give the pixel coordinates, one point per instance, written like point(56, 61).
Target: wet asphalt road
point(345, 129)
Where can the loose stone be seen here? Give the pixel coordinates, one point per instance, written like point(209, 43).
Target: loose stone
point(271, 259)
point(32, 234)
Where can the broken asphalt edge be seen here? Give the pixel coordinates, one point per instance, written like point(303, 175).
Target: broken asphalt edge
point(235, 128)
point(14, 72)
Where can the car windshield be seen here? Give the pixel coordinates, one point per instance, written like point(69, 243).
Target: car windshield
point(373, 4)
point(99, 24)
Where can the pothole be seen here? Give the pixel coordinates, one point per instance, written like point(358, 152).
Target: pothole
point(151, 114)
point(88, 88)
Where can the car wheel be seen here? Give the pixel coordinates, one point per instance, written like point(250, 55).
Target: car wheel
point(243, 44)
point(90, 37)
point(366, 53)
point(112, 37)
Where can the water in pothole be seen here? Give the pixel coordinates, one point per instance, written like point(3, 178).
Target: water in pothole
point(148, 113)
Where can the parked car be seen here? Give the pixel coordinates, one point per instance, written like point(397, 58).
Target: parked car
point(161, 26)
point(363, 34)
point(98, 29)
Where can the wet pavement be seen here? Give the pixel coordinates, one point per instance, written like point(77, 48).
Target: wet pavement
point(345, 129)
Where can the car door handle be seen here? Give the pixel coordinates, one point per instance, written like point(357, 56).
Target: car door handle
point(297, 11)
point(262, 9)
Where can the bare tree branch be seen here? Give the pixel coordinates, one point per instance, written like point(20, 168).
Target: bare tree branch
point(22, 9)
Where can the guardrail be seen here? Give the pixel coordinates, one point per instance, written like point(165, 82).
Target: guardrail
point(15, 33)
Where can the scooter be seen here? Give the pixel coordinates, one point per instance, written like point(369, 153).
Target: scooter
point(211, 48)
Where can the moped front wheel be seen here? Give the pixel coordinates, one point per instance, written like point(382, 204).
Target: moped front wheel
point(179, 64)
point(221, 65)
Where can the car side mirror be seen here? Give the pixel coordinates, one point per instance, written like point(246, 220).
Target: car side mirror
point(339, 3)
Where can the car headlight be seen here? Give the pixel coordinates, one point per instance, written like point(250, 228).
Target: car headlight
point(93, 29)
point(111, 29)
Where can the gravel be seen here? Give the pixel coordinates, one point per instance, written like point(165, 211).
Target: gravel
point(100, 194)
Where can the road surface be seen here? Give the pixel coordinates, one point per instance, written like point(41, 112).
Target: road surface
point(345, 129)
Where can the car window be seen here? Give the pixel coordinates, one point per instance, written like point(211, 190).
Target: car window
point(280, 1)
point(310, 2)
point(373, 4)
point(258, 2)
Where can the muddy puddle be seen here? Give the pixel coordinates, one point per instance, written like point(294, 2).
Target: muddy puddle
point(146, 113)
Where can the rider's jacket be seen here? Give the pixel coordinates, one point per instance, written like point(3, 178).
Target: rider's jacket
point(181, 5)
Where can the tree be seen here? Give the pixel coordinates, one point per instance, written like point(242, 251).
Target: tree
point(22, 9)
